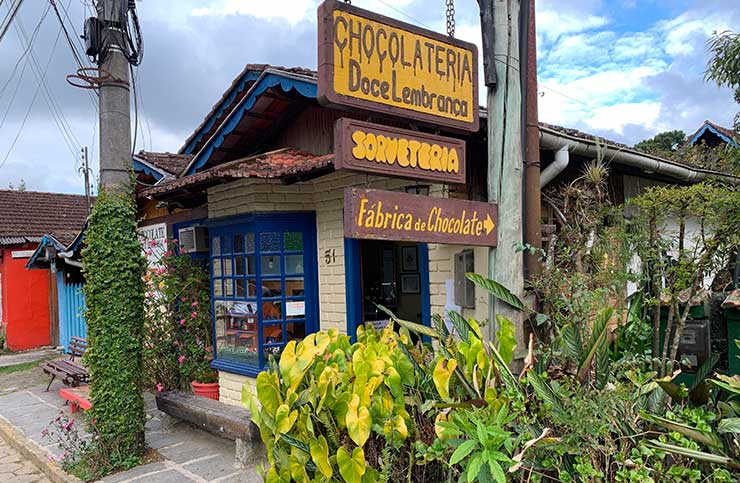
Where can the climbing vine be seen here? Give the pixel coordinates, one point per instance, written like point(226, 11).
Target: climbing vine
point(114, 291)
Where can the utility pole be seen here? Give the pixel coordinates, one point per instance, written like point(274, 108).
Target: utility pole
point(533, 196)
point(86, 173)
point(115, 102)
point(500, 31)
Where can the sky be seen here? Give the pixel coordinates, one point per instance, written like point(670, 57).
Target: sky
point(622, 69)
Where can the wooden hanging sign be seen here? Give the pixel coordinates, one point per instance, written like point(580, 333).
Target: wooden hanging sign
point(390, 215)
point(374, 148)
point(372, 62)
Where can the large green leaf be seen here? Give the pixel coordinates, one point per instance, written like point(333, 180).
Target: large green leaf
point(598, 337)
point(320, 455)
point(545, 392)
point(351, 467)
point(463, 451)
point(358, 421)
point(704, 437)
point(412, 326)
point(441, 376)
point(268, 392)
point(691, 453)
point(570, 338)
point(729, 425)
point(497, 290)
point(506, 338)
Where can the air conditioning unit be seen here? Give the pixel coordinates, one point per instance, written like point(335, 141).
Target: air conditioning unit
point(193, 239)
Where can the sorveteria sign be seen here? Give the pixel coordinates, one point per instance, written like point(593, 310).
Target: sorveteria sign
point(389, 215)
point(385, 150)
point(377, 63)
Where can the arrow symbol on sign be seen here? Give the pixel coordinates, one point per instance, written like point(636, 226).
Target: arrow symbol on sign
point(488, 224)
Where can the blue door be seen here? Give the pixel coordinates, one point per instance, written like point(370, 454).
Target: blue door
point(71, 310)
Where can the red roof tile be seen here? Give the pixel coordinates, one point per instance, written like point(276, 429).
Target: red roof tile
point(26, 216)
point(172, 163)
point(282, 163)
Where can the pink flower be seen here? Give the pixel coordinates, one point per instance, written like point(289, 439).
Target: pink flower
point(194, 304)
point(149, 252)
point(194, 314)
point(68, 424)
point(181, 359)
point(182, 321)
point(175, 242)
point(160, 387)
point(164, 241)
point(152, 243)
point(168, 253)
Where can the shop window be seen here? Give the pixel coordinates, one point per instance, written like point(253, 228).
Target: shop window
point(264, 286)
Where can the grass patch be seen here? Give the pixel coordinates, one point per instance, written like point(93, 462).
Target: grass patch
point(21, 367)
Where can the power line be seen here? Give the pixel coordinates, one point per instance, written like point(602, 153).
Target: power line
point(33, 100)
point(9, 18)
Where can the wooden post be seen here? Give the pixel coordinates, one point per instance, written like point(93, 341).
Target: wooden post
point(500, 22)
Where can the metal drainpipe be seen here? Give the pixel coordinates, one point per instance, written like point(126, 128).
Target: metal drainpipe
point(562, 158)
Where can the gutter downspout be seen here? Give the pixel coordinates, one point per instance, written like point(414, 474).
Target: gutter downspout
point(626, 156)
point(562, 158)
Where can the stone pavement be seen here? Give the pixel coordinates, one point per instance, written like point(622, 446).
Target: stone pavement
point(188, 454)
point(14, 468)
point(15, 358)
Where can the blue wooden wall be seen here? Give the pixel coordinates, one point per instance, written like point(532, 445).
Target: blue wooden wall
point(71, 310)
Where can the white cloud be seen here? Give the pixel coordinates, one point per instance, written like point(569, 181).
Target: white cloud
point(681, 32)
point(616, 116)
point(293, 11)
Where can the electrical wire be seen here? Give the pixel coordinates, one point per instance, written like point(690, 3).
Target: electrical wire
point(54, 108)
point(33, 100)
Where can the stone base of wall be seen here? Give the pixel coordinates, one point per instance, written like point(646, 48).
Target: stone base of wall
point(230, 387)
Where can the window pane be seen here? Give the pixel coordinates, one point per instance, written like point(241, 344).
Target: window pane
point(272, 334)
point(294, 287)
point(251, 287)
point(249, 242)
point(229, 287)
point(217, 267)
point(239, 265)
point(218, 290)
point(272, 310)
point(293, 241)
point(236, 335)
point(228, 269)
point(238, 243)
point(296, 331)
point(270, 264)
point(273, 351)
point(240, 292)
point(269, 242)
point(272, 288)
point(293, 263)
point(251, 265)
point(216, 245)
point(295, 309)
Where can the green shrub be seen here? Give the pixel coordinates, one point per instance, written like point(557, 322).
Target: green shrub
point(114, 291)
point(389, 409)
point(177, 324)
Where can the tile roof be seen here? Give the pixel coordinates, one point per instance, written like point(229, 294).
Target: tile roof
point(26, 216)
point(173, 163)
point(722, 130)
point(234, 84)
point(281, 163)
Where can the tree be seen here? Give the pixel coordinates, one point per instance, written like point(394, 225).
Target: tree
point(663, 144)
point(724, 65)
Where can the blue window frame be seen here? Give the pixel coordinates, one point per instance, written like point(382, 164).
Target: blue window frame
point(264, 287)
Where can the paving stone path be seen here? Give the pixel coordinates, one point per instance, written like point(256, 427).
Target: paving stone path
point(15, 469)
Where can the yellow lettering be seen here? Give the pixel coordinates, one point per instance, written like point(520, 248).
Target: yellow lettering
point(380, 156)
point(413, 153)
point(424, 156)
point(453, 163)
point(403, 152)
point(358, 151)
point(391, 150)
point(371, 146)
point(363, 202)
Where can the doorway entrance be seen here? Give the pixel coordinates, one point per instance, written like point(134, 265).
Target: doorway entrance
point(394, 275)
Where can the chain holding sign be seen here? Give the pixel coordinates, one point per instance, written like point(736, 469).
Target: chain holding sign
point(390, 215)
point(376, 63)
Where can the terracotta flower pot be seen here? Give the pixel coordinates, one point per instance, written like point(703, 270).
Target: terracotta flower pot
point(209, 390)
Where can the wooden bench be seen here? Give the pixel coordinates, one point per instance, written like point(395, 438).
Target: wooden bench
point(78, 397)
point(70, 372)
point(224, 420)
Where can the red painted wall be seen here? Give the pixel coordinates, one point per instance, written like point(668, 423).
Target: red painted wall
point(25, 299)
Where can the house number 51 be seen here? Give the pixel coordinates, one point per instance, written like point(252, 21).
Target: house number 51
point(330, 256)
